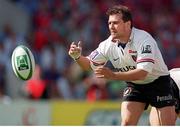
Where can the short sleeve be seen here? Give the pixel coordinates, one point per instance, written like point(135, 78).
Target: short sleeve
point(97, 59)
point(146, 55)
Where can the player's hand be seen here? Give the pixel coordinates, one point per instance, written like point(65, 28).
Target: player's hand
point(103, 72)
point(75, 50)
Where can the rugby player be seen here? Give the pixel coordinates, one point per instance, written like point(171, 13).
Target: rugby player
point(137, 60)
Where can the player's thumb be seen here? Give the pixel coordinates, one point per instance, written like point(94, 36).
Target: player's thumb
point(80, 44)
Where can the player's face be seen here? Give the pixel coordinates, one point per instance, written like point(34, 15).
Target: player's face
point(117, 26)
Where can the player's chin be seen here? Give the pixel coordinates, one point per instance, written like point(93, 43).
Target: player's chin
point(114, 37)
point(113, 34)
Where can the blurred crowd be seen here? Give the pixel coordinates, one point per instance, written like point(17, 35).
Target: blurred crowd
point(56, 23)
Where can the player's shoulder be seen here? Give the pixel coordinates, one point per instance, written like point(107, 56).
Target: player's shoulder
point(141, 36)
point(106, 43)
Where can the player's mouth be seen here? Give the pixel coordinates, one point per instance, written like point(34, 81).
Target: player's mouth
point(113, 33)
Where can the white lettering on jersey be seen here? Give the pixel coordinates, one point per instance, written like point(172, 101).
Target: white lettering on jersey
point(125, 69)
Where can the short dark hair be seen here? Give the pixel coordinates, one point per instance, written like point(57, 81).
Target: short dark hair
point(120, 9)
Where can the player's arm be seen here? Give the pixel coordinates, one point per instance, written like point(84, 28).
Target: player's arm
point(137, 74)
point(84, 63)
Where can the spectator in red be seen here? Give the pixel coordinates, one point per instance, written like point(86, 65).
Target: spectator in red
point(35, 87)
point(97, 90)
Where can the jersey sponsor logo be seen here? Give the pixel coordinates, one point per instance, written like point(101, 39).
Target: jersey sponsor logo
point(125, 69)
point(131, 51)
point(164, 98)
point(116, 59)
point(146, 49)
point(127, 91)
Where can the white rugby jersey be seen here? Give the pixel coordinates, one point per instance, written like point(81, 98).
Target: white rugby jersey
point(140, 52)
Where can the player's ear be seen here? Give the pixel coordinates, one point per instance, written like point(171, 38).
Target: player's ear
point(128, 24)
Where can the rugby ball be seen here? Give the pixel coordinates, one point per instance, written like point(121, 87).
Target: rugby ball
point(23, 63)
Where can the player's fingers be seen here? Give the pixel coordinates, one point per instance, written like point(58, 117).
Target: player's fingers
point(70, 52)
point(99, 76)
point(73, 49)
point(79, 44)
point(73, 46)
point(73, 43)
point(97, 71)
